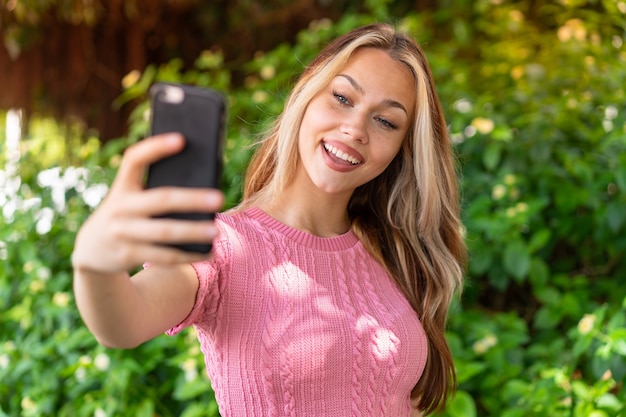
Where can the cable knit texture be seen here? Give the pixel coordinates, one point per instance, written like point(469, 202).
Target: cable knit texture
point(292, 324)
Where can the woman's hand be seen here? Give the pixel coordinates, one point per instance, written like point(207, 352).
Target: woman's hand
point(122, 233)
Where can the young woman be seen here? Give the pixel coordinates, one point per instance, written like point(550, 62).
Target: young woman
point(327, 290)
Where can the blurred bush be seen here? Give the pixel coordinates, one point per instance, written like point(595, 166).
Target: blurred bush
point(536, 110)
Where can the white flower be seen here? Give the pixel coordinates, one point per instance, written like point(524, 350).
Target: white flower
point(30, 204)
point(75, 177)
point(43, 273)
point(102, 361)
point(483, 125)
point(36, 286)
point(61, 299)
point(58, 197)
point(585, 325)
point(462, 105)
point(80, 374)
point(4, 361)
point(84, 360)
point(49, 177)
point(268, 72)
point(481, 346)
point(28, 404)
point(44, 220)
point(94, 194)
point(498, 191)
point(8, 210)
point(510, 179)
point(260, 96)
point(469, 131)
point(610, 112)
point(521, 207)
point(99, 413)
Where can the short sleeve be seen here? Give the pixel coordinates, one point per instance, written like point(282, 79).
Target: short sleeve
point(207, 297)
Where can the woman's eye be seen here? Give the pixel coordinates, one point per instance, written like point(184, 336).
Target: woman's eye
point(386, 123)
point(340, 98)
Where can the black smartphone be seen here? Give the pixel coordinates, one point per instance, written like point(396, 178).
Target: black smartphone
point(199, 114)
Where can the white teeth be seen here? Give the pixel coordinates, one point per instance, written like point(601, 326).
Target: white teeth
point(339, 154)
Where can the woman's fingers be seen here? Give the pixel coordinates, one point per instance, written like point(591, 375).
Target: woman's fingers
point(140, 155)
point(113, 245)
point(164, 231)
point(163, 200)
point(128, 255)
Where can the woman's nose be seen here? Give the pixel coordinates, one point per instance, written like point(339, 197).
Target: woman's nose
point(354, 125)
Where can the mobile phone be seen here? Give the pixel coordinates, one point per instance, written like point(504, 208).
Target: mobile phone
point(199, 114)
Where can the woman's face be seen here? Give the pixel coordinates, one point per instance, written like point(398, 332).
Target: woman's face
point(354, 127)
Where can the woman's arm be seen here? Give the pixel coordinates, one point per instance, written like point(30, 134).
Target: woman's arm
point(122, 234)
point(123, 312)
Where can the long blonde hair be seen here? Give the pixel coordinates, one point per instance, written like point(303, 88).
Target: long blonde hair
point(409, 216)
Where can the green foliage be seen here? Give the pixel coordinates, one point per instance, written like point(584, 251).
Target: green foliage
point(49, 363)
point(534, 97)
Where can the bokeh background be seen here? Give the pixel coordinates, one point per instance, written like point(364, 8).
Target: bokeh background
point(534, 96)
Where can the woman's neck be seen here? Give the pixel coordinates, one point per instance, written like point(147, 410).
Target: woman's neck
point(323, 216)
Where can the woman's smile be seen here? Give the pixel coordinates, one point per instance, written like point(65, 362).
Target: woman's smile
point(341, 158)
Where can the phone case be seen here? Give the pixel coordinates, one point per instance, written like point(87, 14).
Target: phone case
point(199, 115)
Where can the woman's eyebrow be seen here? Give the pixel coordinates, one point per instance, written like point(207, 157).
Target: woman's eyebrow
point(388, 102)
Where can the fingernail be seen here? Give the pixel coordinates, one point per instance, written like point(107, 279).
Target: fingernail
point(173, 137)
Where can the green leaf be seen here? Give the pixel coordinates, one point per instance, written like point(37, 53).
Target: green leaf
point(620, 178)
point(570, 305)
point(193, 389)
point(515, 389)
point(481, 259)
point(547, 318)
point(609, 401)
point(618, 338)
point(615, 216)
point(539, 240)
point(461, 31)
point(195, 410)
point(548, 295)
point(465, 371)
point(581, 389)
point(492, 155)
point(517, 260)
point(514, 413)
point(538, 273)
point(462, 405)
point(146, 409)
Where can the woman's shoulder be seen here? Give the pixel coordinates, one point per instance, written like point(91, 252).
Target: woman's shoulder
point(237, 227)
point(237, 219)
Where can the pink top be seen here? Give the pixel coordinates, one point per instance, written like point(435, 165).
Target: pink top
point(292, 324)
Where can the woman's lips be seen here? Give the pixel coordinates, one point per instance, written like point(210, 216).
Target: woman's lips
point(341, 158)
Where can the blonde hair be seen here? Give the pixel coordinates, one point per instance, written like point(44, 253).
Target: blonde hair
point(409, 216)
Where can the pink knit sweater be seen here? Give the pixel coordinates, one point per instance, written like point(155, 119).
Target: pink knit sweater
point(296, 325)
